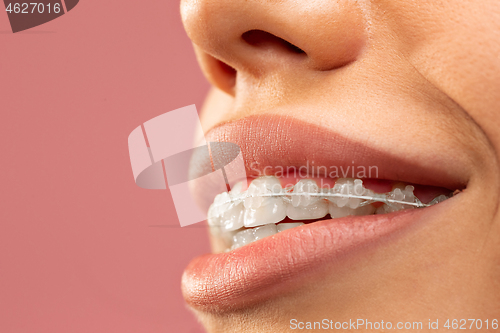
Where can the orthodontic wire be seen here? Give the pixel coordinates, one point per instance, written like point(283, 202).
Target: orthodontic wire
point(369, 199)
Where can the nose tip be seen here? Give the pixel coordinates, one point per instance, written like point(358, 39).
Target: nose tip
point(259, 36)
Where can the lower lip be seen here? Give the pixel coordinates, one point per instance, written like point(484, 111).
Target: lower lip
point(274, 265)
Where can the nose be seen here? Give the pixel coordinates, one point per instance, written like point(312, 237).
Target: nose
point(260, 37)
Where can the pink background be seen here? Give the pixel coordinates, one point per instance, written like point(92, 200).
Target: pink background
point(78, 252)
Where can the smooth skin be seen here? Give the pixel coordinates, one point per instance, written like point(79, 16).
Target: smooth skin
point(410, 76)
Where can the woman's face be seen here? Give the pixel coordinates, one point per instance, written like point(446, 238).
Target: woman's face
point(411, 87)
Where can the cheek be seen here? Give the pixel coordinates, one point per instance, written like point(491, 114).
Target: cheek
point(456, 46)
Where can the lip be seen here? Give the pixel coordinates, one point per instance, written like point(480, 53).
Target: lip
point(258, 271)
point(273, 140)
point(274, 265)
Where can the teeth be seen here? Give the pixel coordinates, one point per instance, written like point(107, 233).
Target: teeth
point(253, 201)
point(262, 185)
point(438, 199)
point(397, 193)
point(314, 211)
point(304, 206)
point(285, 226)
point(265, 231)
point(265, 203)
point(243, 238)
point(348, 187)
point(272, 210)
point(251, 235)
point(408, 193)
point(237, 188)
point(358, 189)
point(264, 210)
point(336, 212)
point(344, 187)
point(304, 188)
point(232, 219)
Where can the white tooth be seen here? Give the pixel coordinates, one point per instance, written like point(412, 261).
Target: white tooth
point(375, 196)
point(358, 190)
point(346, 181)
point(264, 210)
point(243, 238)
point(272, 210)
point(222, 202)
point(253, 200)
point(364, 210)
point(305, 186)
point(354, 203)
point(265, 231)
point(398, 194)
point(358, 187)
point(395, 194)
point(261, 185)
point(336, 212)
point(270, 183)
point(381, 209)
point(221, 198)
point(342, 201)
point(342, 186)
point(237, 188)
point(314, 211)
point(232, 219)
point(408, 193)
point(222, 212)
point(213, 216)
point(285, 226)
point(438, 199)
point(217, 199)
point(392, 207)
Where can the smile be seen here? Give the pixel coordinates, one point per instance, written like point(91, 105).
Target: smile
point(273, 233)
point(266, 208)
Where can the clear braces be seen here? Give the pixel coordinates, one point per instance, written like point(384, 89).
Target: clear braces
point(286, 194)
point(234, 204)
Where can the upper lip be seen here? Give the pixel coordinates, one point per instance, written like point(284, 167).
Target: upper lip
point(219, 282)
point(269, 141)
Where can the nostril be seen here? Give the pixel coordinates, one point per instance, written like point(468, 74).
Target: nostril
point(226, 69)
point(220, 74)
point(266, 40)
point(225, 76)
